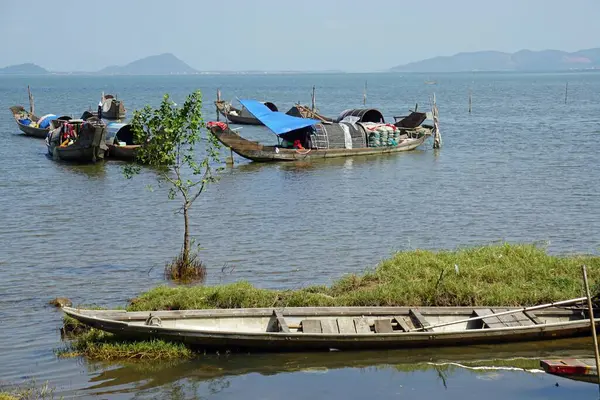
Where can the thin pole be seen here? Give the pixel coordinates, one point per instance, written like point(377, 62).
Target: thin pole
point(365, 95)
point(566, 91)
point(470, 100)
point(592, 323)
point(532, 308)
point(31, 105)
point(313, 100)
point(216, 107)
point(416, 106)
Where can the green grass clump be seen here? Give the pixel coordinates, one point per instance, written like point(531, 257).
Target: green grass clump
point(102, 346)
point(499, 275)
point(29, 391)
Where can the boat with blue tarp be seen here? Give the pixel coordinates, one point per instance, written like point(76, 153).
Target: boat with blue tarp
point(307, 138)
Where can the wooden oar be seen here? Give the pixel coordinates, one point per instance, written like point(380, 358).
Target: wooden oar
point(532, 308)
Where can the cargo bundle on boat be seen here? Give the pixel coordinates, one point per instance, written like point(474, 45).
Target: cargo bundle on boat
point(241, 116)
point(344, 328)
point(77, 140)
point(305, 138)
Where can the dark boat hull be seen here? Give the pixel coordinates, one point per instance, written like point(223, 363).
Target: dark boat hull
point(77, 154)
point(257, 152)
point(39, 133)
point(124, 153)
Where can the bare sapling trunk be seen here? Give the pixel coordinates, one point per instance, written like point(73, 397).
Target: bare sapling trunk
point(186, 237)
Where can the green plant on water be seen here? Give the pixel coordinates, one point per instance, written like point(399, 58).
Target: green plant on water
point(170, 136)
point(28, 391)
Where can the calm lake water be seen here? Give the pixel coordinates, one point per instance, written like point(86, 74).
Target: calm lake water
point(522, 167)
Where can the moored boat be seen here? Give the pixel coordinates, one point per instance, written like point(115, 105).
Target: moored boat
point(579, 369)
point(109, 108)
point(120, 141)
point(241, 116)
point(305, 138)
point(32, 125)
point(77, 140)
point(343, 328)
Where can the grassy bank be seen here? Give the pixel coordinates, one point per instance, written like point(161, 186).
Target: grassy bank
point(499, 275)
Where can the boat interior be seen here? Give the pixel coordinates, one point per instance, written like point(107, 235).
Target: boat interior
point(347, 321)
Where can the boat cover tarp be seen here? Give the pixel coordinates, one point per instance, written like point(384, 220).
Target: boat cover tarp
point(44, 122)
point(112, 129)
point(277, 122)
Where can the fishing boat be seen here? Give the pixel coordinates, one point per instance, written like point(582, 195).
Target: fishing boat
point(343, 328)
point(302, 111)
point(109, 108)
point(32, 125)
point(120, 141)
point(77, 140)
point(241, 116)
point(306, 138)
point(578, 369)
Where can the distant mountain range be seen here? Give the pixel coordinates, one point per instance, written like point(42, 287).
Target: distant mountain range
point(23, 69)
point(162, 64)
point(524, 60)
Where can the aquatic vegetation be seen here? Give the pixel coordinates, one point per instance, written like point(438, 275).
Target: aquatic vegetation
point(495, 275)
point(28, 391)
point(99, 345)
point(170, 135)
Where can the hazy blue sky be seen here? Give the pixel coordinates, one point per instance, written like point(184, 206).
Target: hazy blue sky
point(350, 35)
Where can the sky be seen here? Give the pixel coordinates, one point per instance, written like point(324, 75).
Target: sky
point(271, 35)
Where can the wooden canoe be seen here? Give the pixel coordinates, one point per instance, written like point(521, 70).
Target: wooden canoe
point(240, 116)
point(258, 152)
point(19, 113)
point(342, 328)
point(579, 369)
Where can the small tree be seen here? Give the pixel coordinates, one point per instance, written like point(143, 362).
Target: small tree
point(169, 135)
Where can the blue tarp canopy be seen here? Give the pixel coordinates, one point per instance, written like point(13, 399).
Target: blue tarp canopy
point(277, 122)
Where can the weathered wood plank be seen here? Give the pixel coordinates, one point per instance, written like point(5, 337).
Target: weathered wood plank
point(361, 325)
point(383, 326)
point(508, 319)
point(311, 326)
point(329, 326)
point(533, 317)
point(491, 322)
point(346, 325)
point(420, 321)
point(282, 325)
point(402, 323)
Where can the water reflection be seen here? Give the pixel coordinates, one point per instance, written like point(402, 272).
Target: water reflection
point(442, 363)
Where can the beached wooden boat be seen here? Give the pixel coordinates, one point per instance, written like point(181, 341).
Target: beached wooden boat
point(305, 138)
point(77, 140)
point(119, 139)
point(240, 116)
point(342, 328)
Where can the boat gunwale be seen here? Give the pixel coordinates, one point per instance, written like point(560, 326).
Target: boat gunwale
point(575, 324)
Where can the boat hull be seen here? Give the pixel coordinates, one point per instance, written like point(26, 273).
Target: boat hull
point(218, 334)
point(75, 153)
point(39, 133)
point(256, 152)
point(125, 153)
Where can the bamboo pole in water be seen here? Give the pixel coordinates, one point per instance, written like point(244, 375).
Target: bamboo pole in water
point(217, 108)
point(31, 103)
point(313, 100)
point(365, 95)
point(566, 91)
point(470, 100)
point(592, 323)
